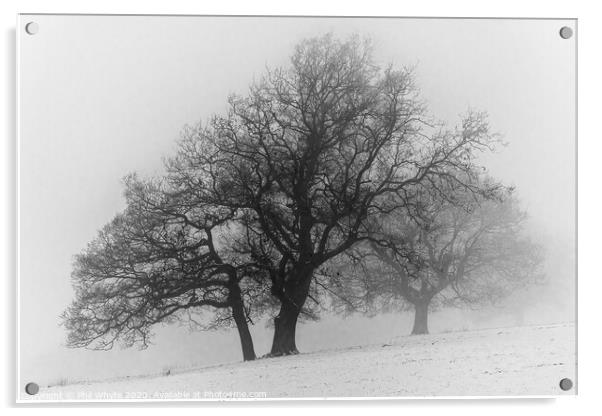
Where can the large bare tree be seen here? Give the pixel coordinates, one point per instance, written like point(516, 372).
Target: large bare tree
point(312, 153)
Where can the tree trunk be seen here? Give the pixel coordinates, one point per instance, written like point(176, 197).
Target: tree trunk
point(292, 299)
point(238, 313)
point(285, 325)
point(421, 318)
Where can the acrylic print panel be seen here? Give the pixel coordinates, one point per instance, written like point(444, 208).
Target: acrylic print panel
point(271, 207)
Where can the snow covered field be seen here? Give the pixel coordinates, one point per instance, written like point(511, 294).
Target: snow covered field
point(528, 360)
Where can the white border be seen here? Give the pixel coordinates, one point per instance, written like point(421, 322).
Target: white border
point(589, 151)
point(20, 33)
point(18, 206)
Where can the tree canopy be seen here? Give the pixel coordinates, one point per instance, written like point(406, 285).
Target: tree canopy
point(298, 172)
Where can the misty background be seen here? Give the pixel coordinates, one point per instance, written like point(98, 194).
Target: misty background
point(100, 97)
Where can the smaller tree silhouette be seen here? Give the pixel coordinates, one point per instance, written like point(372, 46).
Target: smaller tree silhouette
point(160, 260)
point(451, 248)
point(459, 250)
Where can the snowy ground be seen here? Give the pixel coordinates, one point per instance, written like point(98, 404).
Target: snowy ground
point(527, 360)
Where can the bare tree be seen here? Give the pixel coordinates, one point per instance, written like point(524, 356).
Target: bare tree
point(158, 261)
point(465, 251)
point(313, 152)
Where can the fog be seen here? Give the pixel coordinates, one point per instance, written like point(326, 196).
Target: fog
point(100, 97)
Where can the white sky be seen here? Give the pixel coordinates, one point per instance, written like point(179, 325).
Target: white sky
point(104, 96)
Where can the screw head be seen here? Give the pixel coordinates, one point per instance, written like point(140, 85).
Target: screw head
point(32, 388)
point(566, 32)
point(566, 384)
point(32, 28)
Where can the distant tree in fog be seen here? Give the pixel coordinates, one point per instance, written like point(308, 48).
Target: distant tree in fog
point(461, 250)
